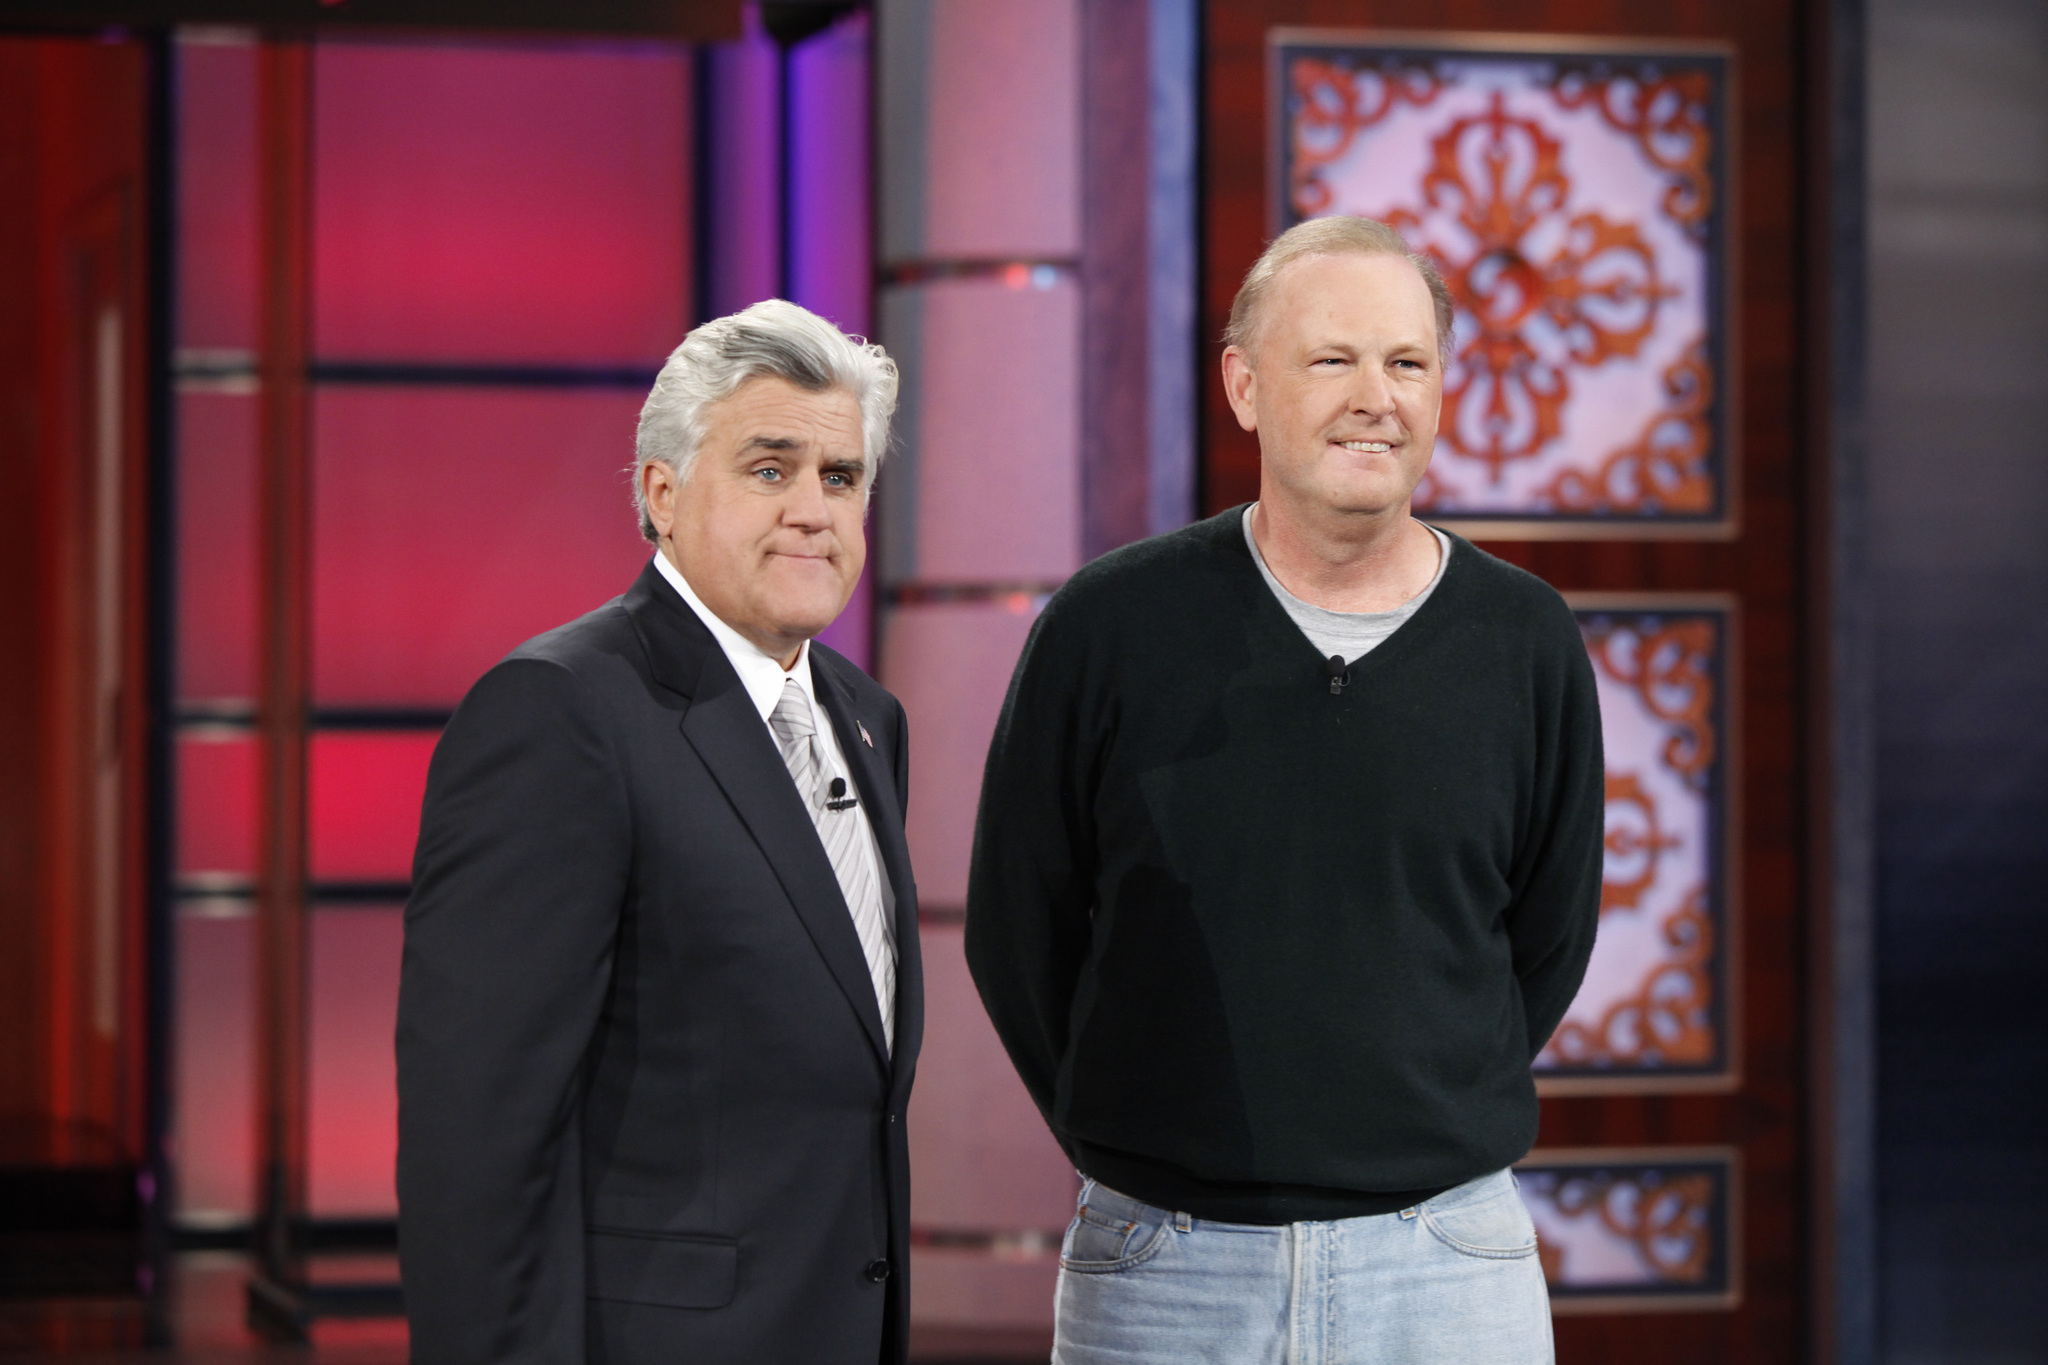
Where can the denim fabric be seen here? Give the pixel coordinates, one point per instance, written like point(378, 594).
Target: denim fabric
point(1452, 1281)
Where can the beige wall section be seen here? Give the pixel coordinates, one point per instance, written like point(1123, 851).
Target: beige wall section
point(999, 440)
point(980, 104)
point(1003, 175)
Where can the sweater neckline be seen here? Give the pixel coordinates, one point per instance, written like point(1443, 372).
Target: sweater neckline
point(1396, 646)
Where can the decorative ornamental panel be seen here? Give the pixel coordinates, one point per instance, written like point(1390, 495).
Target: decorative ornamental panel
point(1653, 1012)
point(1574, 198)
point(1635, 1231)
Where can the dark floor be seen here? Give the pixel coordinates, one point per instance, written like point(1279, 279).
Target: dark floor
point(206, 1326)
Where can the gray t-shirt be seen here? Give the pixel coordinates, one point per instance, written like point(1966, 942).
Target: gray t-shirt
point(1347, 634)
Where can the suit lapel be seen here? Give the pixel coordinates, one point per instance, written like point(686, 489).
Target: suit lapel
point(879, 798)
point(722, 725)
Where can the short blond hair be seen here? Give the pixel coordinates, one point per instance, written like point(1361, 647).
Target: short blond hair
point(1336, 235)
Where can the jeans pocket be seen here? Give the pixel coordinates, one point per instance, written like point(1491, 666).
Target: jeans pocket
point(1496, 1229)
point(1101, 1242)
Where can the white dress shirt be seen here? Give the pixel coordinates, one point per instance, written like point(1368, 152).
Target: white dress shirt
point(763, 676)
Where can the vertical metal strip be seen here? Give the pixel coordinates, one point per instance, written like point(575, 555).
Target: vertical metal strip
point(283, 542)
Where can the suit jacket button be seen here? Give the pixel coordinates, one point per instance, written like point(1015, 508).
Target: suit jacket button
point(878, 1270)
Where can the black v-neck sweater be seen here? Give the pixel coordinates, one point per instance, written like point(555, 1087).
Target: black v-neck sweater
point(1262, 953)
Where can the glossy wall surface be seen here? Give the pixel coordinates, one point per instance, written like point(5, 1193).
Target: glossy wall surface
point(1958, 548)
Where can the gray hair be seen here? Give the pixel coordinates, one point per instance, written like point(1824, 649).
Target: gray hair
point(1337, 235)
point(774, 339)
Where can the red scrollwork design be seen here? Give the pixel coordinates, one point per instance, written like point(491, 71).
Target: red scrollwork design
point(1668, 1020)
point(1666, 468)
point(1591, 298)
point(1669, 114)
point(1635, 842)
point(1667, 1216)
point(1333, 103)
point(1669, 663)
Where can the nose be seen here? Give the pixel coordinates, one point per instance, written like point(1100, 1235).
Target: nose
point(804, 504)
point(1372, 394)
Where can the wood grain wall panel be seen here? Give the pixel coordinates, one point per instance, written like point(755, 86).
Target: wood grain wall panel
point(1761, 568)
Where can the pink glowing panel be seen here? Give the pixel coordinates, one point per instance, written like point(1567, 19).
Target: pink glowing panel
point(1575, 206)
point(1002, 136)
point(949, 664)
point(213, 1123)
point(452, 524)
point(216, 627)
point(216, 803)
point(1005, 1288)
point(500, 203)
point(1654, 1002)
point(742, 143)
point(353, 1128)
point(829, 267)
point(983, 1157)
point(995, 429)
point(1634, 1230)
point(364, 806)
point(217, 203)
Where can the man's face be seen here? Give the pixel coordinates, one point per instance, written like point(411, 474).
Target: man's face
point(768, 527)
point(1343, 384)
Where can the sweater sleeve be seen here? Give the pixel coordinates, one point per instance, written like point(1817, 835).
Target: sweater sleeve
point(1556, 909)
point(1030, 881)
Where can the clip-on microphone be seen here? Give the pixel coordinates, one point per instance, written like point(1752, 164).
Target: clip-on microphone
point(1339, 674)
point(840, 800)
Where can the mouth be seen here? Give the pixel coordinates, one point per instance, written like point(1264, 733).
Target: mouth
point(1366, 447)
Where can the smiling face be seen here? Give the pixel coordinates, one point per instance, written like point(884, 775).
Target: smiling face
point(1343, 385)
point(767, 529)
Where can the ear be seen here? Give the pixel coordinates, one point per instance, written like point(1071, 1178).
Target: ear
point(658, 487)
point(1240, 386)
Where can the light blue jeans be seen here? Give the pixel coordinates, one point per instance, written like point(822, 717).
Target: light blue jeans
point(1452, 1281)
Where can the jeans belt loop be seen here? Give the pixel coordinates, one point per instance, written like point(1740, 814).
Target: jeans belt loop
point(1409, 1213)
point(1183, 1223)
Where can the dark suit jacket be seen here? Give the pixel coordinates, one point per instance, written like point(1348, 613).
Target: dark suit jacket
point(645, 1109)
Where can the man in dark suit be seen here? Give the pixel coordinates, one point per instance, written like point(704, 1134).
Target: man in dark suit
point(661, 998)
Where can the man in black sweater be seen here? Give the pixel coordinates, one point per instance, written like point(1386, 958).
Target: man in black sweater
point(1288, 862)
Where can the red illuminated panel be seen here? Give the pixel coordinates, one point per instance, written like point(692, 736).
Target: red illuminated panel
point(217, 216)
point(216, 817)
point(501, 203)
point(365, 804)
point(451, 524)
point(216, 629)
point(214, 1124)
point(353, 1138)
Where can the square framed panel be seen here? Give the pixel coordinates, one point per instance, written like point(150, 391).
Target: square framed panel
point(1657, 1010)
point(1636, 1230)
point(1574, 193)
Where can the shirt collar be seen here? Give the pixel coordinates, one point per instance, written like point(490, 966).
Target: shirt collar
point(760, 673)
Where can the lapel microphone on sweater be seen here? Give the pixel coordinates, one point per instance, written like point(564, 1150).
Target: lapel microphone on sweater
point(1339, 674)
point(840, 800)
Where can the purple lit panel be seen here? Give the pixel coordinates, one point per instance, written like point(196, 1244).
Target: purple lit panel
point(1003, 138)
point(213, 1125)
point(452, 524)
point(744, 228)
point(983, 1157)
point(829, 266)
point(997, 430)
point(217, 205)
point(365, 803)
point(501, 203)
point(216, 626)
point(352, 1147)
point(216, 810)
point(949, 664)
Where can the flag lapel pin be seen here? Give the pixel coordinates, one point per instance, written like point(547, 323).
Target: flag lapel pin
point(865, 738)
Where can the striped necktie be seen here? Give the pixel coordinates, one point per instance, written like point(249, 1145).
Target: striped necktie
point(842, 833)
